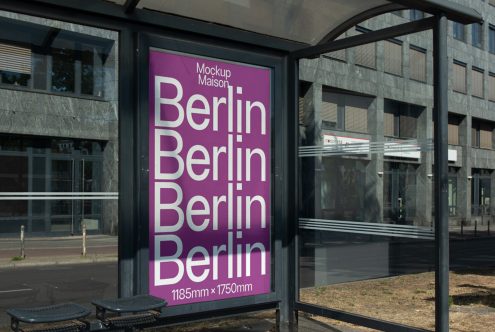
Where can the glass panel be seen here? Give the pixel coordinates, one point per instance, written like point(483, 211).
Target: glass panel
point(58, 162)
point(64, 67)
point(453, 130)
point(491, 39)
point(417, 64)
point(459, 31)
point(415, 14)
point(477, 82)
point(491, 87)
point(459, 77)
point(296, 20)
point(476, 34)
point(365, 223)
point(472, 248)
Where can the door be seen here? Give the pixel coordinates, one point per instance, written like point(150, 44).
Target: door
point(75, 178)
point(399, 192)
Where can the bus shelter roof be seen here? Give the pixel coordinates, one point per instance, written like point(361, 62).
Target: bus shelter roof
point(306, 21)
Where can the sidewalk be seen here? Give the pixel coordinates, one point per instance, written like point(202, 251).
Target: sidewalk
point(42, 251)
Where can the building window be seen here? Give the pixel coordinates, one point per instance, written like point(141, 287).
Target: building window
point(343, 111)
point(482, 134)
point(393, 57)
point(330, 118)
point(417, 64)
point(459, 77)
point(44, 164)
point(400, 119)
point(365, 55)
point(491, 86)
point(55, 60)
point(480, 192)
point(453, 129)
point(337, 55)
point(459, 31)
point(491, 39)
point(477, 82)
point(476, 35)
point(15, 64)
point(343, 197)
point(415, 15)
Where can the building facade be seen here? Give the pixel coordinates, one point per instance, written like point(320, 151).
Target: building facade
point(383, 93)
point(58, 127)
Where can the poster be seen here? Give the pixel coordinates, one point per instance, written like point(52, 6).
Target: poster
point(209, 198)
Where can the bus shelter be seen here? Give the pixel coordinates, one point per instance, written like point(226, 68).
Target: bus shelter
point(210, 176)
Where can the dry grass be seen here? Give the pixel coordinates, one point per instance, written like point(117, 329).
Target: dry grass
point(409, 300)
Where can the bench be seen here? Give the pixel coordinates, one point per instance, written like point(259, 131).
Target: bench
point(129, 312)
point(64, 317)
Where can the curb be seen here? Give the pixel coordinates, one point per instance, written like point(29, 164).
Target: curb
point(58, 261)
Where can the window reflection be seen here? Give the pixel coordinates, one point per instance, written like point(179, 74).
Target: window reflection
point(54, 60)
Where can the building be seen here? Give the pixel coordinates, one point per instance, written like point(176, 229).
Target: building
point(58, 136)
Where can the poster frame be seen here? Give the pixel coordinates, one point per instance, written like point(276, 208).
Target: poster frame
point(278, 120)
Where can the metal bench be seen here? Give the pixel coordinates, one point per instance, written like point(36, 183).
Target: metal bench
point(64, 317)
point(129, 312)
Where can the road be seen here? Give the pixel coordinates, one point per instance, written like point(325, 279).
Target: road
point(45, 285)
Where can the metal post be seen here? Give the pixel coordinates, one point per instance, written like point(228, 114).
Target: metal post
point(23, 253)
point(441, 174)
point(84, 240)
point(287, 280)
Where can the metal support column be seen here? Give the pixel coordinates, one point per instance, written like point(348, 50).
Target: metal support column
point(286, 314)
point(441, 174)
point(127, 206)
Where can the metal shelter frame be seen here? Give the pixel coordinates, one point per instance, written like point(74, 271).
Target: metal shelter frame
point(142, 29)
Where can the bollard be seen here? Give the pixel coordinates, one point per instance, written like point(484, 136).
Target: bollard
point(84, 240)
point(475, 227)
point(23, 253)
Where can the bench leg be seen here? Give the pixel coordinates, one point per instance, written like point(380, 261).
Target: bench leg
point(14, 324)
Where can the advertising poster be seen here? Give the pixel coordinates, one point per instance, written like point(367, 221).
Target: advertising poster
point(209, 198)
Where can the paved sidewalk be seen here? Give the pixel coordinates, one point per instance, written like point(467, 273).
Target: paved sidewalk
point(58, 250)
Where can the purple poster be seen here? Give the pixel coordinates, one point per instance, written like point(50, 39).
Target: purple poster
point(209, 192)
